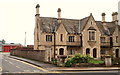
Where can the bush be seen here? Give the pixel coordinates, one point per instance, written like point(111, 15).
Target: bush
point(77, 59)
point(54, 61)
point(68, 63)
point(82, 58)
point(115, 60)
point(119, 61)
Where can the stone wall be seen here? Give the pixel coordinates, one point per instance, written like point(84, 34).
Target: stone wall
point(31, 54)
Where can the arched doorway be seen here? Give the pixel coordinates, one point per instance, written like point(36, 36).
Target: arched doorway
point(117, 53)
point(61, 51)
point(87, 51)
point(95, 53)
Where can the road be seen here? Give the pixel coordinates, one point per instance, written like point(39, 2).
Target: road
point(10, 65)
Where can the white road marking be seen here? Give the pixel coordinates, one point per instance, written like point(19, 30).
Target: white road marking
point(0, 68)
point(30, 65)
point(11, 63)
point(36, 70)
point(26, 70)
point(17, 66)
point(5, 60)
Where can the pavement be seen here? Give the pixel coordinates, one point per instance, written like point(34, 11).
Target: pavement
point(51, 67)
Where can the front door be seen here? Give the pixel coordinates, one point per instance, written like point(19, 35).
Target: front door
point(61, 51)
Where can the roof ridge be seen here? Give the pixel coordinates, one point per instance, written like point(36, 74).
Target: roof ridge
point(61, 18)
point(48, 17)
point(84, 18)
point(69, 19)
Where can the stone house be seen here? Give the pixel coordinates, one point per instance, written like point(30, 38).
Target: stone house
point(61, 37)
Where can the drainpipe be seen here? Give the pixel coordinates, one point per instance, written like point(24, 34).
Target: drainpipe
point(54, 45)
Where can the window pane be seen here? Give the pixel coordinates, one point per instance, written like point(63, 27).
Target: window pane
point(87, 51)
point(49, 38)
point(116, 39)
point(93, 35)
point(102, 39)
point(71, 52)
point(102, 52)
point(71, 39)
point(90, 36)
point(61, 37)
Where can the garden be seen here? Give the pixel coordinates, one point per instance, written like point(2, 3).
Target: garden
point(80, 60)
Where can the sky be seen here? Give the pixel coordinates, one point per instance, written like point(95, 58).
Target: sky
point(18, 16)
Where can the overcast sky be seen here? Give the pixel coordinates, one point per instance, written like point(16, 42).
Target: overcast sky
point(18, 16)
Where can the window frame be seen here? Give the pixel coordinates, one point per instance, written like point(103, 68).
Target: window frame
point(61, 37)
point(116, 39)
point(71, 52)
point(48, 38)
point(102, 39)
point(102, 51)
point(92, 35)
point(71, 38)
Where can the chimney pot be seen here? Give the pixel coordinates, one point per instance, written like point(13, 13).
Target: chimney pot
point(59, 10)
point(103, 17)
point(37, 9)
point(115, 16)
point(103, 14)
point(37, 6)
point(59, 15)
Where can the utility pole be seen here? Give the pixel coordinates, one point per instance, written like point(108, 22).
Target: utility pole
point(25, 40)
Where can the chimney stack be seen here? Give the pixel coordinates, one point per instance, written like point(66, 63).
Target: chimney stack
point(115, 17)
point(103, 17)
point(59, 15)
point(37, 9)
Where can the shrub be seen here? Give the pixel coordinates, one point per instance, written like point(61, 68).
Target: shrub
point(82, 58)
point(68, 63)
point(77, 59)
point(115, 60)
point(54, 61)
point(119, 61)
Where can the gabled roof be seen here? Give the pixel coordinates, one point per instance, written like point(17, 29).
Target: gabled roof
point(72, 26)
point(83, 22)
point(109, 25)
point(51, 24)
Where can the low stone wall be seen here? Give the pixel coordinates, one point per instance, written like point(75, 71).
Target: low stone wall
point(31, 54)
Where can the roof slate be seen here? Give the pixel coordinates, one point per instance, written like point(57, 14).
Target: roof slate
point(72, 26)
point(48, 24)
